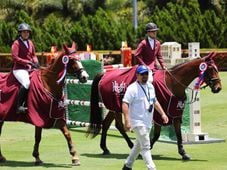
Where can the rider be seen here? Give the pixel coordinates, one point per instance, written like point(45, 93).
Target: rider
point(148, 49)
point(24, 58)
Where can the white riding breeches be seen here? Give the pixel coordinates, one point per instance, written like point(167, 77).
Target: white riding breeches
point(23, 77)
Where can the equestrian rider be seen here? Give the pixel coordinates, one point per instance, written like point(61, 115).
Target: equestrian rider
point(148, 49)
point(24, 58)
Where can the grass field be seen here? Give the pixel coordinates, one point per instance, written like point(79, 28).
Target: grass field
point(18, 138)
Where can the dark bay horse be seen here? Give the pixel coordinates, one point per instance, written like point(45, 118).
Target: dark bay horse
point(176, 81)
point(45, 102)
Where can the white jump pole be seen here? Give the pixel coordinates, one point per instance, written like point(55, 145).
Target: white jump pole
point(195, 133)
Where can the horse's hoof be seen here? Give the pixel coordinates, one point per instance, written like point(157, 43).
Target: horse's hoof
point(186, 157)
point(75, 162)
point(2, 159)
point(106, 152)
point(38, 163)
point(131, 145)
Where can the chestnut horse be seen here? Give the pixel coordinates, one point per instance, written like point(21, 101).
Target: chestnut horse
point(175, 80)
point(45, 102)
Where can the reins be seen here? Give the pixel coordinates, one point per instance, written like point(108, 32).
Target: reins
point(193, 91)
point(47, 69)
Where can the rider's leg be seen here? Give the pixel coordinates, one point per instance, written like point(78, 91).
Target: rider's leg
point(22, 98)
point(23, 77)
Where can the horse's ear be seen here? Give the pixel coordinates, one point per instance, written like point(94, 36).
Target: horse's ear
point(65, 48)
point(211, 55)
point(74, 45)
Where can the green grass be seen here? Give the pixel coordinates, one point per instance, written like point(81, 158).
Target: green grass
point(18, 138)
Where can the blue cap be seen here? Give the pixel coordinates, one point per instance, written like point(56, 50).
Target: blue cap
point(142, 69)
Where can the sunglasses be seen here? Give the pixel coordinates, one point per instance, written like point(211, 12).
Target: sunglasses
point(145, 73)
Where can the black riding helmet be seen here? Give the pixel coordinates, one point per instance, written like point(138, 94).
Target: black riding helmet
point(24, 27)
point(151, 27)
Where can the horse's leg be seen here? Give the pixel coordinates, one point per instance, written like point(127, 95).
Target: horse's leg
point(35, 153)
point(181, 151)
point(156, 134)
point(72, 150)
point(120, 126)
point(105, 126)
point(2, 158)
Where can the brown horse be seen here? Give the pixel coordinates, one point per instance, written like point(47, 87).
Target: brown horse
point(175, 80)
point(45, 102)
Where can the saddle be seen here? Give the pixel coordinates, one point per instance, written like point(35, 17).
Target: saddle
point(172, 105)
point(116, 82)
point(43, 109)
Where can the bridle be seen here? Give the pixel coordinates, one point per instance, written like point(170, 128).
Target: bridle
point(193, 91)
point(68, 56)
point(210, 81)
point(207, 79)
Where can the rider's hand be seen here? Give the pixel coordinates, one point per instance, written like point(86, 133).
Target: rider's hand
point(34, 65)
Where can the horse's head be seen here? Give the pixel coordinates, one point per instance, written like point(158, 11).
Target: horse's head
point(211, 75)
point(74, 65)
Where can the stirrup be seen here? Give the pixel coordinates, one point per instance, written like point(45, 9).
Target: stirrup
point(22, 109)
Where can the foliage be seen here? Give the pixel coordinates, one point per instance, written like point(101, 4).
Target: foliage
point(188, 24)
point(104, 24)
point(42, 8)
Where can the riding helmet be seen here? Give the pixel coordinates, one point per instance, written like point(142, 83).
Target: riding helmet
point(24, 27)
point(151, 27)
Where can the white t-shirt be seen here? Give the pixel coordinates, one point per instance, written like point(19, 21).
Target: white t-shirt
point(139, 105)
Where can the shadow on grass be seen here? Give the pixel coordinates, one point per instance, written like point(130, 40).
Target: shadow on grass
point(15, 164)
point(111, 156)
point(164, 158)
point(78, 130)
point(124, 156)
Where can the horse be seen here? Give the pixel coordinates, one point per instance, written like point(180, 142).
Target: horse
point(46, 108)
point(109, 88)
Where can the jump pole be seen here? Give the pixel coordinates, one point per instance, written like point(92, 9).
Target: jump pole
point(195, 134)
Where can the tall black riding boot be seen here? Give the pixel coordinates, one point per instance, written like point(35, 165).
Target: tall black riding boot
point(22, 98)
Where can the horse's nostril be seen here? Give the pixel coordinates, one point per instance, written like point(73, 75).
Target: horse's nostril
point(83, 79)
point(219, 89)
point(216, 90)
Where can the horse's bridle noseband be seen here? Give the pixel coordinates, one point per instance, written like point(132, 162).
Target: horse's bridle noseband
point(210, 81)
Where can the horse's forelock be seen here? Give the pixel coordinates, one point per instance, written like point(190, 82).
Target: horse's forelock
point(75, 56)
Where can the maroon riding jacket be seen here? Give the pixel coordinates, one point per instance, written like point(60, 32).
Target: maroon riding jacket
point(144, 54)
point(22, 55)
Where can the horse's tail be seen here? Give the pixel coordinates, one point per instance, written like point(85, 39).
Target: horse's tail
point(95, 111)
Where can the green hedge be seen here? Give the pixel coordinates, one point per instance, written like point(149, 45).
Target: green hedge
point(182, 22)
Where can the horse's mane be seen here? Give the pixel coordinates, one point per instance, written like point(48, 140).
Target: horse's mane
point(54, 60)
point(180, 64)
